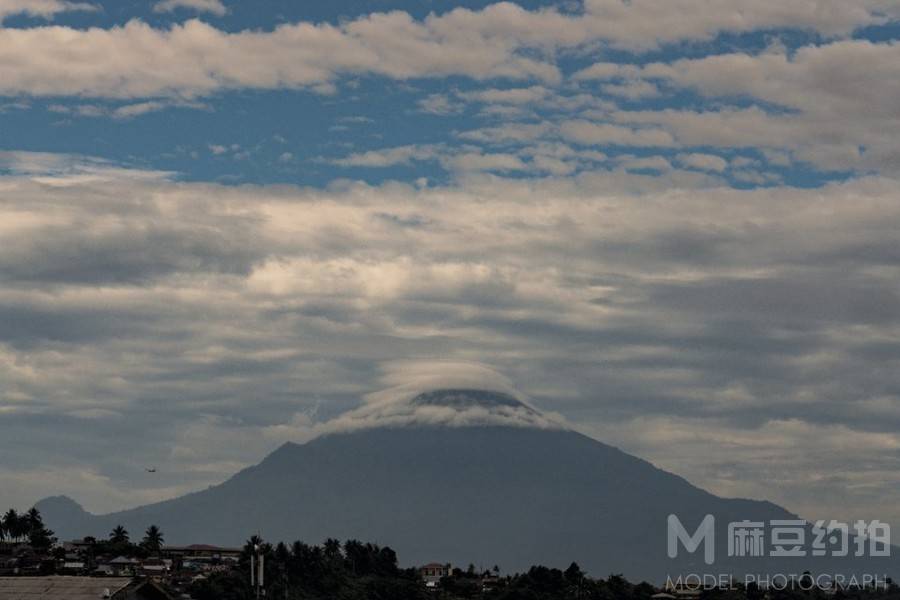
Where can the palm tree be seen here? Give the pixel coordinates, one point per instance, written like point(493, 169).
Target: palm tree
point(119, 535)
point(153, 539)
point(38, 535)
point(32, 521)
point(11, 524)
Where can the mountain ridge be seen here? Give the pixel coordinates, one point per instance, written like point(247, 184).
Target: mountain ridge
point(485, 494)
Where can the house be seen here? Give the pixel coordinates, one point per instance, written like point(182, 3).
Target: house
point(145, 590)
point(490, 582)
point(432, 573)
point(79, 545)
point(119, 567)
point(155, 568)
point(200, 557)
point(71, 567)
point(201, 552)
point(9, 566)
point(681, 591)
point(80, 588)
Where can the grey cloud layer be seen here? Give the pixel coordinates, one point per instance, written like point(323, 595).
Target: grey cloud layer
point(653, 310)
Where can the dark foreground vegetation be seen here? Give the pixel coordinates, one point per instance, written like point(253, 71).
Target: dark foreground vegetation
point(355, 570)
point(361, 571)
point(351, 570)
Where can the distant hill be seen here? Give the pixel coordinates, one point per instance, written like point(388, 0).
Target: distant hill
point(504, 492)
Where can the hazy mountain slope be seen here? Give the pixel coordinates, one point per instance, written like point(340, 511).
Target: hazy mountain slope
point(512, 496)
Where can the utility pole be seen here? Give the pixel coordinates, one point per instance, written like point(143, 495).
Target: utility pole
point(257, 571)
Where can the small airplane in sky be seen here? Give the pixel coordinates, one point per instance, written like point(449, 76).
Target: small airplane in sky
point(153, 470)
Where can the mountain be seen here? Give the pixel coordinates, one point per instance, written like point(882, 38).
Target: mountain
point(504, 488)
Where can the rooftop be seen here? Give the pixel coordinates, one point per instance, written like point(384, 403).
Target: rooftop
point(60, 588)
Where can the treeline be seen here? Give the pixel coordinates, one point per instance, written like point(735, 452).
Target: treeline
point(29, 528)
point(119, 543)
point(26, 527)
point(349, 571)
point(361, 571)
point(544, 583)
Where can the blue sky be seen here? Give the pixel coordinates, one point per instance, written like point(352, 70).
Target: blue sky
point(672, 224)
point(291, 133)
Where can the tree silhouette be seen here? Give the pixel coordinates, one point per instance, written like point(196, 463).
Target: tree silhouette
point(38, 535)
point(119, 535)
point(33, 517)
point(573, 574)
point(153, 539)
point(12, 524)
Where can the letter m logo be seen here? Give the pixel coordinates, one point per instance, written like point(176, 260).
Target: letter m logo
point(705, 534)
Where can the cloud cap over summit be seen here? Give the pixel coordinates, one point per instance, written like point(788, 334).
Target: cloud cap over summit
point(447, 393)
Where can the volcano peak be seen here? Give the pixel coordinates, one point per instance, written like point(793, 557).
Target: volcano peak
point(450, 407)
point(468, 398)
